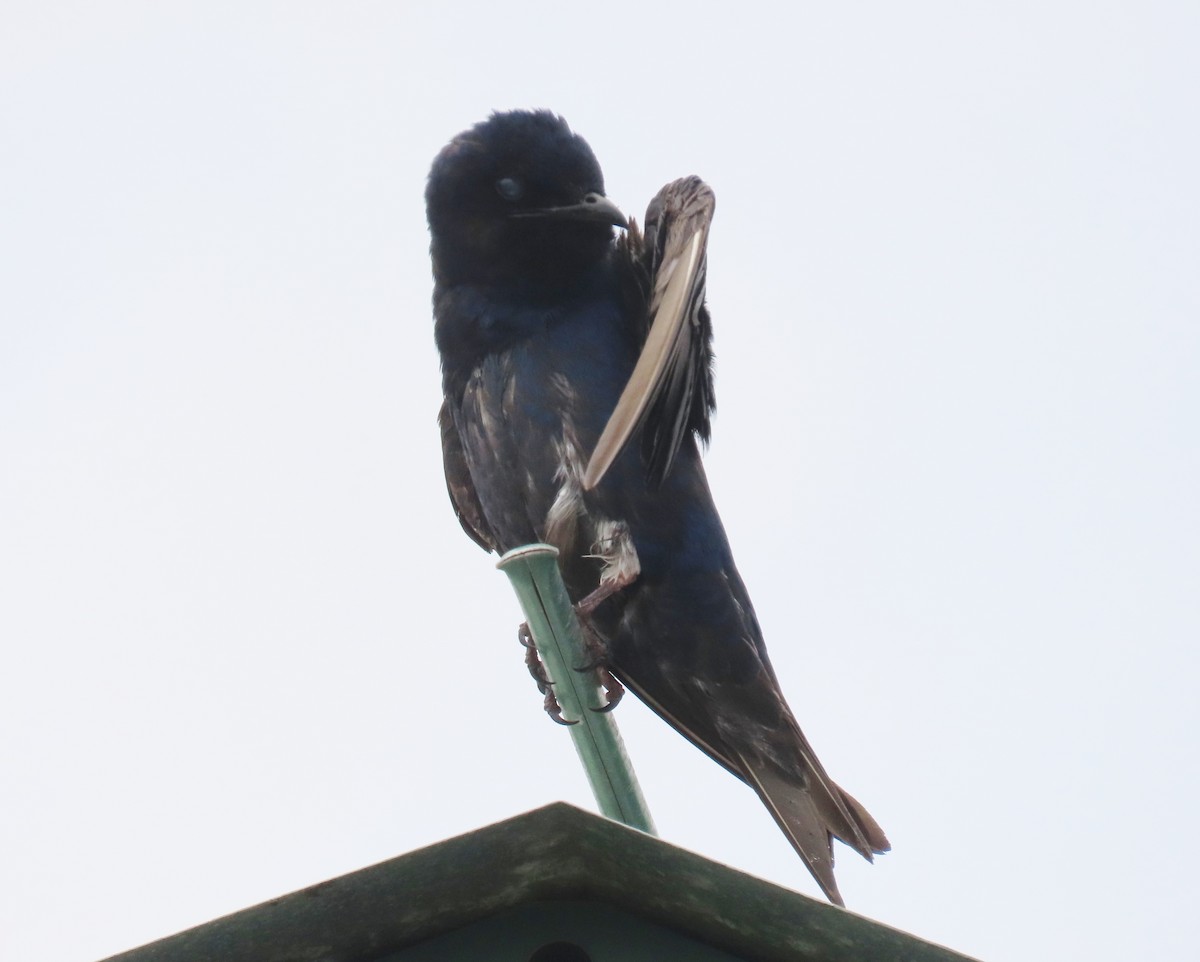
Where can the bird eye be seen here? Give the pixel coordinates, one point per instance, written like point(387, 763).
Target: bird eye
point(509, 188)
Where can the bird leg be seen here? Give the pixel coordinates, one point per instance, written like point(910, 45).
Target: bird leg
point(597, 651)
point(620, 569)
point(595, 645)
point(544, 685)
point(604, 591)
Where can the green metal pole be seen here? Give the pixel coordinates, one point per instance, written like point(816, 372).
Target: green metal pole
point(533, 571)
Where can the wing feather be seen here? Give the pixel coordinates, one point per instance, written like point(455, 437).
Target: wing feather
point(460, 486)
point(670, 392)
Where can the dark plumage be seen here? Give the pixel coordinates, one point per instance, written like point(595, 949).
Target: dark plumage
point(547, 326)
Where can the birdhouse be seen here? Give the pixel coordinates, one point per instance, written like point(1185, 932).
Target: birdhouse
point(554, 885)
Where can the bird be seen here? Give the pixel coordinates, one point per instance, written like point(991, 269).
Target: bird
point(577, 378)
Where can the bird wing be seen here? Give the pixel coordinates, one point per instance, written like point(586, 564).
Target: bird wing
point(670, 392)
point(459, 485)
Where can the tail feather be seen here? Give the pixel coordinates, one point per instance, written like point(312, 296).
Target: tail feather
point(867, 825)
point(812, 815)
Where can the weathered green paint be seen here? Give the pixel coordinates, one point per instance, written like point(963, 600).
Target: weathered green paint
point(533, 571)
point(553, 856)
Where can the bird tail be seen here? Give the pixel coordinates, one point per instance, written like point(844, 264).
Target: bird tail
point(812, 815)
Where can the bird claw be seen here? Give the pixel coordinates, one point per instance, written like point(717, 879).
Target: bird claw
point(538, 672)
point(554, 710)
point(614, 691)
point(597, 651)
point(532, 661)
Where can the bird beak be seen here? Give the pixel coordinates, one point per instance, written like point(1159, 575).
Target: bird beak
point(593, 207)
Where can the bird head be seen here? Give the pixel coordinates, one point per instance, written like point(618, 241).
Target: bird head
point(518, 198)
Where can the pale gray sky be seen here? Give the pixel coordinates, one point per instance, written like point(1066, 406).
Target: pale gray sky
point(954, 279)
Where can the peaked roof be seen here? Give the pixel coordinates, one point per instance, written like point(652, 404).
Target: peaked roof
point(551, 853)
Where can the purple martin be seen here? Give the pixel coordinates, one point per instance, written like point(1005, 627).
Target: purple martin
point(577, 382)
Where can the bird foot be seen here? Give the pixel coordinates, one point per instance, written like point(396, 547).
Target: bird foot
point(596, 649)
point(614, 691)
point(544, 685)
